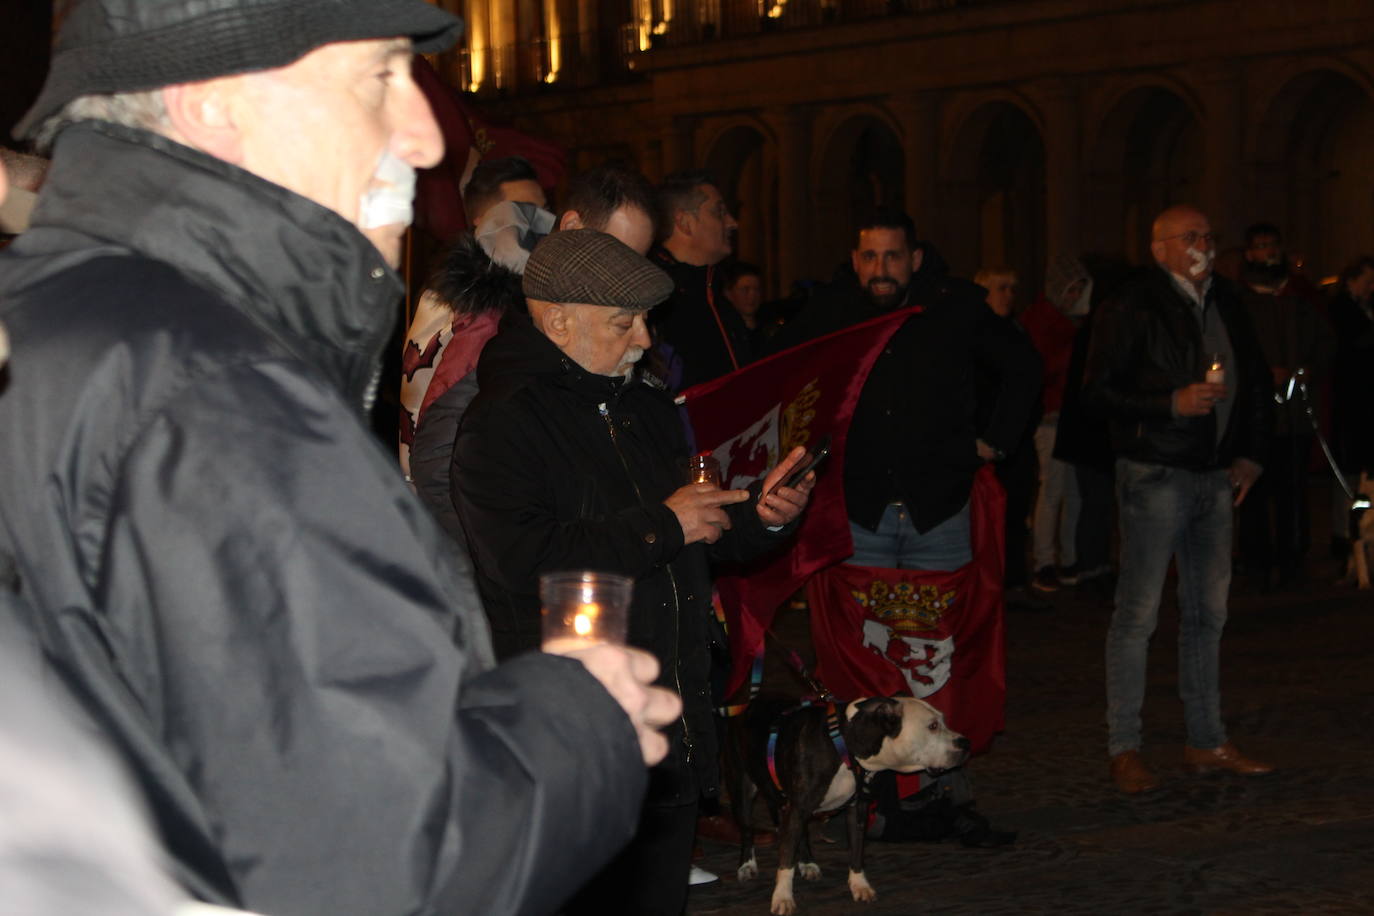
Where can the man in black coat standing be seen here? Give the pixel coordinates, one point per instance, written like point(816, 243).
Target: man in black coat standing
point(567, 461)
point(915, 441)
point(1174, 366)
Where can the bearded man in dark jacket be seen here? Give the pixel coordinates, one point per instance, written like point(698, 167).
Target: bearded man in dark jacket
point(565, 461)
point(218, 558)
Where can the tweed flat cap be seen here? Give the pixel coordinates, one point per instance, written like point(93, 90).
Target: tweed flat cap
point(108, 46)
point(587, 267)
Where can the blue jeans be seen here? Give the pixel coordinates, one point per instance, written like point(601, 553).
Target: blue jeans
point(898, 545)
point(1169, 512)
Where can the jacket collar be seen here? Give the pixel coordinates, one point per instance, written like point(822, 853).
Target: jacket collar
point(520, 355)
point(299, 270)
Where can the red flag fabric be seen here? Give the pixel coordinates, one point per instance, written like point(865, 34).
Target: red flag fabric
point(937, 636)
point(468, 139)
point(754, 416)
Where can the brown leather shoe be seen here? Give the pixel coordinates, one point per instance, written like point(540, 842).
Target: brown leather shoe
point(722, 829)
point(1130, 774)
point(1226, 758)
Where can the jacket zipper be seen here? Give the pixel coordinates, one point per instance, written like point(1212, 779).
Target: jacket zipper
point(672, 580)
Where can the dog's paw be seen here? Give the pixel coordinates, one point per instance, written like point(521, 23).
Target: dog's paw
point(749, 870)
point(859, 887)
point(783, 903)
point(809, 871)
point(783, 906)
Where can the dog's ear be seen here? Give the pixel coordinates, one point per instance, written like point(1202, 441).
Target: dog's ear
point(873, 720)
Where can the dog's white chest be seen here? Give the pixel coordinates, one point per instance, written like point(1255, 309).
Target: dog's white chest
point(841, 789)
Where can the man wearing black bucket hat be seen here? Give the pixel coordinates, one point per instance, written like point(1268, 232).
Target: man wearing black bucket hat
point(223, 565)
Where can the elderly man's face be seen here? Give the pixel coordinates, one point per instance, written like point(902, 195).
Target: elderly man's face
point(320, 126)
point(1183, 244)
point(606, 340)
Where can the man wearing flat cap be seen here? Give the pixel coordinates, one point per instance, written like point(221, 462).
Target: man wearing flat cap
point(222, 563)
point(567, 460)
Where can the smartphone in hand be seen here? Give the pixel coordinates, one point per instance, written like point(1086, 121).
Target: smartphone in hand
point(813, 461)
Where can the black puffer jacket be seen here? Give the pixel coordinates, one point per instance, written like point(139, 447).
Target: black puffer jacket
point(1146, 344)
point(230, 573)
point(559, 469)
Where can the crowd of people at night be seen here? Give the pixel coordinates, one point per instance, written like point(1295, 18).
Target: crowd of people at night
point(282, 674)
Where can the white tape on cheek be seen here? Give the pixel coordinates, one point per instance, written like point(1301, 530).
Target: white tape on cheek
point(388, 200)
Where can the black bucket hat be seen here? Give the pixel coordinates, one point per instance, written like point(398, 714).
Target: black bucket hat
point(108, 46)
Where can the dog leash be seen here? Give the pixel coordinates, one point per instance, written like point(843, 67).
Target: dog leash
point(1297, 387)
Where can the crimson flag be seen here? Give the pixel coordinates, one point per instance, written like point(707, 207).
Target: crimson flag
point(468, 139)
point(749, 420)
point(937, 636)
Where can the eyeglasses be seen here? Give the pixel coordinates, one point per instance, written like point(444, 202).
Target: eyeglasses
point(1191, 238)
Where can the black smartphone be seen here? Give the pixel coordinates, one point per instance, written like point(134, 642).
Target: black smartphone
point(820, 454)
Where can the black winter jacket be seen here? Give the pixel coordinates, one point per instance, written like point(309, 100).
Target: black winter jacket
point(559, 469)
point(1146, 344)
point(230, 573)
point(914, 432)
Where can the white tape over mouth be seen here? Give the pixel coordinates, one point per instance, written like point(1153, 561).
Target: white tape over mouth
point(1202, 261)
point(389, 199)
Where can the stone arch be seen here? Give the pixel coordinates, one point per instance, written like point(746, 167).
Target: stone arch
point(1309, 168)
point(992, 190)
point(862, 165)
point(1147, 155)
point(741, 157)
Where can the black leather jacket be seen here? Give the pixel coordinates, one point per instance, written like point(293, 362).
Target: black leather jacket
point(1146, 344)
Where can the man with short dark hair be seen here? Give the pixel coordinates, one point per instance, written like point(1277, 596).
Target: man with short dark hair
point(915, 443)
point(567, 460)
point(1174, 366)
point(495, 180)
point(1298, 346)
point(701, 336)
point(219, 559)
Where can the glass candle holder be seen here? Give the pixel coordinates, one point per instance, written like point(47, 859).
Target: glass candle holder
point(583, 608)
point(703, 469)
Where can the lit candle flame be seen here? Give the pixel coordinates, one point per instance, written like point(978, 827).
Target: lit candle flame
point(584, 621)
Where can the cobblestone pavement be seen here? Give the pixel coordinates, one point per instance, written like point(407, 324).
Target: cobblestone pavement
point(1298, 686)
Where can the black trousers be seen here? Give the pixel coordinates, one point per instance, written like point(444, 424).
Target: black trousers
point(1094, 534)
point(1275, 525)
point(649, 877)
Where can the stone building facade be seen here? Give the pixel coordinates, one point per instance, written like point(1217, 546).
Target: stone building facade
point(1012, 131)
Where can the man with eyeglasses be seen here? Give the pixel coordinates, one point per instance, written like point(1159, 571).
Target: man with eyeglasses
point(1174, 366)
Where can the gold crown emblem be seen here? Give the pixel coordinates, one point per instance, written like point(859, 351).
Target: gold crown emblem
point(905, 607)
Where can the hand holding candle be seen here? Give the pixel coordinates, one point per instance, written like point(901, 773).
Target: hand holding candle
point(584, 608)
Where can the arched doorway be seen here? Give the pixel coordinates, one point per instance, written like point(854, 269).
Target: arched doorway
point(749, 186)
point(1312, 172)
point(993, 196)
point(1148, 156)
point(862, 168)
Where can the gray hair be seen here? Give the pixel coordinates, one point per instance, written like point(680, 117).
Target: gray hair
point(144, 109)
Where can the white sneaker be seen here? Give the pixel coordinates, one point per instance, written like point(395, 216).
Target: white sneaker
point(700, 876)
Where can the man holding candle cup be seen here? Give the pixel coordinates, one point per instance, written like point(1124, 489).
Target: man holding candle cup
point(568, 461)
point(1174, 365)
point(211, 548)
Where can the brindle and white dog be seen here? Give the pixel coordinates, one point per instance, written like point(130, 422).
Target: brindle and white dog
point(880, 733)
